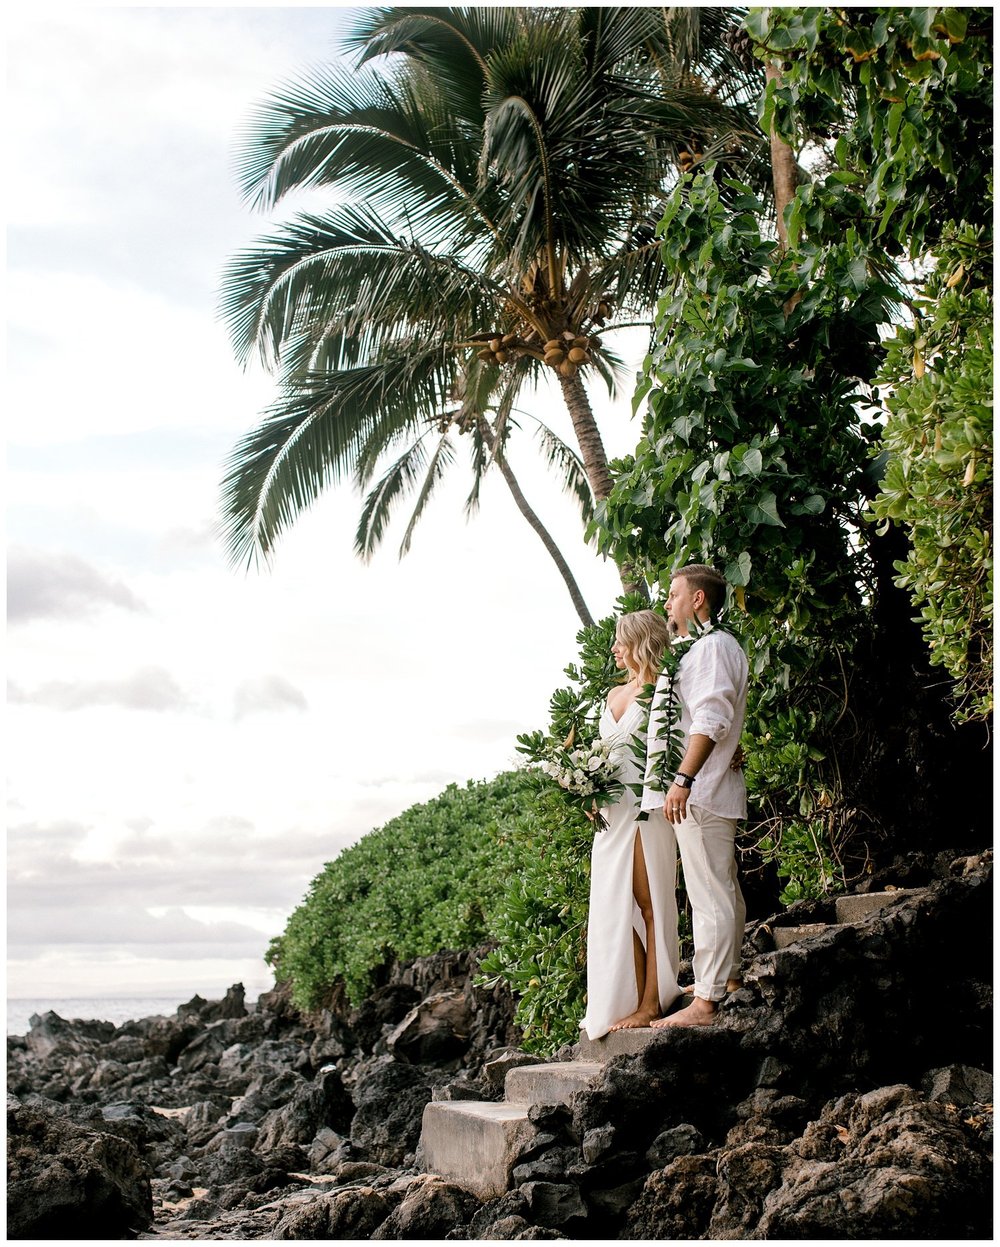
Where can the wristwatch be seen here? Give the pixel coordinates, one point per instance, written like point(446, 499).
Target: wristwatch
point(682, 780)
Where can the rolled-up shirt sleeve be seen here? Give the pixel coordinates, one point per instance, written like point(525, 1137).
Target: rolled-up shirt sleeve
point(714, 682)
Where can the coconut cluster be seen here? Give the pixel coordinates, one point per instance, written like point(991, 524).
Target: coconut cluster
point(567, 353)
point(499, 350)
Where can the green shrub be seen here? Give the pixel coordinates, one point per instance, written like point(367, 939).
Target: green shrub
point(541, 926)
point(431, 878)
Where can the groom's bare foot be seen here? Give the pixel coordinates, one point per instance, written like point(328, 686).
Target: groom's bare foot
point(641, 1018)
point(698, 1013)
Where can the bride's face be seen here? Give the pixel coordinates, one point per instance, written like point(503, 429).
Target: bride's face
point(620, 652)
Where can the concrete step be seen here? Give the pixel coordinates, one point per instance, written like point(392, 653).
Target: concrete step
point(555, 1083)
point(853, 908)
point(857, 907)
point(616, 1043)
point(783, 936)
point(474, 1144)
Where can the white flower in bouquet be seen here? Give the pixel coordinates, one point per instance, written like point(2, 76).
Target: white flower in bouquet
point(588, 775)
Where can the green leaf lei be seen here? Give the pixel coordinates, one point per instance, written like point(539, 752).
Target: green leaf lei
point(669, 731)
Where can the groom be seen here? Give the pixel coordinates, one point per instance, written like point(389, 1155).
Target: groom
point(702, 796)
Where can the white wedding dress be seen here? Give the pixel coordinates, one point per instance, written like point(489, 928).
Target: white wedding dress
point(612, 993)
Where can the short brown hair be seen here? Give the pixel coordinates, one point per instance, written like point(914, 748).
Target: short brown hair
point(708, 580)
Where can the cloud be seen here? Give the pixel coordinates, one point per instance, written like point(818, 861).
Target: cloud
point(33, 845)
point(149, 688)
point(219, 863)
point(42, 584)
point(133, 926)
point(267, 693)
point(193, 541)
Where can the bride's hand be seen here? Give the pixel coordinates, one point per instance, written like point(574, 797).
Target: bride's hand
point(739, 757)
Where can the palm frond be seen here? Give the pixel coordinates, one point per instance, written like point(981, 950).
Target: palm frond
point(443, 455)
point(488, 168)
point(569, 465)
point(397, 480)
point(313, 436)
point(395, 143)
point(345, 280)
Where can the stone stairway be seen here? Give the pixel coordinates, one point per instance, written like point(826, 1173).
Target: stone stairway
point(848, 910)
point(476, 1144)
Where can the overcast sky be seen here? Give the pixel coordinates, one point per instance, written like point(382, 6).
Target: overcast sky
point(187, 745)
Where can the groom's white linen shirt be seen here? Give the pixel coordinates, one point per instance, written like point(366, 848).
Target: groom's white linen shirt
point(711, 688)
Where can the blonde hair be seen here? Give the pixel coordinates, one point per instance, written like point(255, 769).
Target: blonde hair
point(644, 635)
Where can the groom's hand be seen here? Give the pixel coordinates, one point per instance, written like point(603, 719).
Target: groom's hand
point(675, 803)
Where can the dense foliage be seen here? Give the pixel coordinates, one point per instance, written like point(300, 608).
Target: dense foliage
point(907, 95)
point(431, 878)
point(766, 400)
point(939, 478)
point(541, 925)
point(753, 458)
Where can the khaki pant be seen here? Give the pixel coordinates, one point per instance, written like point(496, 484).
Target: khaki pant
point(708, 855)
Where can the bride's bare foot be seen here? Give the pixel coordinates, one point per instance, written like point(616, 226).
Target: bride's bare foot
point(634, 1021)
point(698, 1013)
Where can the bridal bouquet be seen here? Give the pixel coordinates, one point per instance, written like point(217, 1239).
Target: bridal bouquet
point(587, 774)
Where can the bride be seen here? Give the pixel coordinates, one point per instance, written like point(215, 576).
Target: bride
point(632, 928)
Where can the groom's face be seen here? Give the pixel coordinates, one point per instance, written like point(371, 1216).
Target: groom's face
point(683, 603)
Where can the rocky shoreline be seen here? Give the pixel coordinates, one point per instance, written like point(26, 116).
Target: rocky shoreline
point(844, 1093)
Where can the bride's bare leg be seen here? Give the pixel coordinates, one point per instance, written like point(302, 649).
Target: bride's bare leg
point(647, 986)
point(639, 955)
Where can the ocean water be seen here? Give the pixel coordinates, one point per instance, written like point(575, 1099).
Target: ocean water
point(117, 1009)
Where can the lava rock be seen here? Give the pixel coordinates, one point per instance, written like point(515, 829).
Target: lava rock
point(430, 1209)
point(683, 1140)
point(434, 1031)
point(354, 1213)
point(386, 1006)
point(323, 1104)
point(497, 1062)
point(390, 1103)
point(554, 1204)
point(907, 1169)
point(958, 1084)
point(677, 1201)
point(66, 1181)
point(49, 1033)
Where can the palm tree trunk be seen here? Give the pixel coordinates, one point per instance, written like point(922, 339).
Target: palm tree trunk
point(784, 173)
point(595, 463)
point(530, 515)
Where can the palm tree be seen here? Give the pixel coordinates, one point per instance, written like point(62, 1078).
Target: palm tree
point(496, 176)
